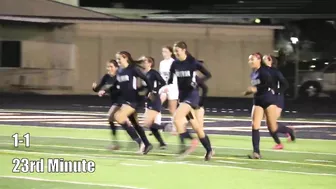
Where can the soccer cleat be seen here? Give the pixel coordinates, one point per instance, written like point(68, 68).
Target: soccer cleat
point(186, 151)
point(113, 147)
point(278, 147)
point(147, 149)
point(293, 137)
point(141, 148)
point(163, 146)
point(209, 155)
point(254, 156)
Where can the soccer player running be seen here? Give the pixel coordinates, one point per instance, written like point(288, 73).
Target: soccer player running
point(264, 101)
point(153, 102)
point(126, 77)
point(185, 67)
point(173, 91)
point(281, 85)
point(200, 109)
point(107, 85)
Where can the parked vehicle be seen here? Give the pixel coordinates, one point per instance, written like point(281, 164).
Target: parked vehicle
point(312, 83)
point(315, 77)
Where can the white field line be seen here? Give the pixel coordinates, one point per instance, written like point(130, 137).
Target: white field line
point(319, 160)
point(231, 162)
point(86, 129)
point(69, 182)
point(163, 115)
point(161, 162)
point(170, 154)
point(41, 117)
point(7, 114)
point(219, 147)
point(53, 119)
point(135, 165)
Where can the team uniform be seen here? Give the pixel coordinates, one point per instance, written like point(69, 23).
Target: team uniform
point(109, 84)
point(127, 81)
point(264, 97)
point(188, 93)
point(185, 72)
point(173, 91)
point(262, 80)
point(281, 86)
point(157, 82)
point(154, 103)
point(204, 88)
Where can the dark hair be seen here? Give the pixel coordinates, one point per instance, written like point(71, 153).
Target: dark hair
point(274, 61)
point(170, 49)
point(114, 62)
point(182, 45)
point(129, 57)
point(151, 60)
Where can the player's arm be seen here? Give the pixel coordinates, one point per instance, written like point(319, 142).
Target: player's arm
point(204, 71)
point(98, 87)
point(161, 81)
point(171, 73)
point(284, 85)
point(139, 74)
point(204, 89)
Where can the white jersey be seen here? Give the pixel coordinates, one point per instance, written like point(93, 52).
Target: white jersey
point(165, 70)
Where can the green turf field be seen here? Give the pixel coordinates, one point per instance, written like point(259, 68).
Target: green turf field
point(304, 164)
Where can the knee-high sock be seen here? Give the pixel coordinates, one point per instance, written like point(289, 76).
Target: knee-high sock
point(157, 134)
point(284, 129)
point(256, 140)
point(206, 143)
point(132, 132)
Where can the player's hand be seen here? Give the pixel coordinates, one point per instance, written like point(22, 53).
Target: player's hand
point(94, 85)
point(193, 85)
point(101, 93)
point(252, 89)
point(246, 93)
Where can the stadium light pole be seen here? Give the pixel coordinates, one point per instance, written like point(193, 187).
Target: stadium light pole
point(295, 43)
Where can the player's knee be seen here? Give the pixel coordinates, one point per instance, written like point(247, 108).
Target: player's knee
point(255, 126)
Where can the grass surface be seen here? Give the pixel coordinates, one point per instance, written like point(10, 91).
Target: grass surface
point(304, 164)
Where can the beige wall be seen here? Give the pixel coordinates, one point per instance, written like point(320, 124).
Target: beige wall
point(47, 60)
point(223, 48)
point(75, 56)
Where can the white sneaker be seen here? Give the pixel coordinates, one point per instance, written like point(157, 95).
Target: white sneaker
point(141, 148)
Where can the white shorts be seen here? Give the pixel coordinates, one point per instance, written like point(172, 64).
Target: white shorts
point(173, 92)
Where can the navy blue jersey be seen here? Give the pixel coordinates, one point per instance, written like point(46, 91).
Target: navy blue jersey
point(155, 79)
point(186, 73)
point(262, 80)
point(108, 83)
point(127, 81)
point(279, 81)
point(202, 86)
